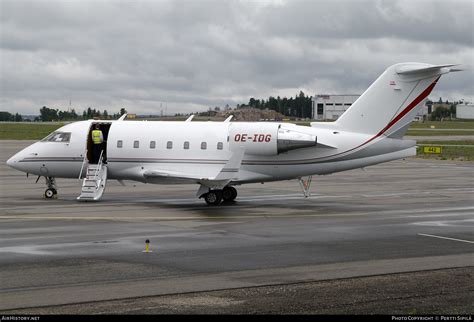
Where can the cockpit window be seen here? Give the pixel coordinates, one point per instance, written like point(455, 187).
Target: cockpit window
point(58, 137)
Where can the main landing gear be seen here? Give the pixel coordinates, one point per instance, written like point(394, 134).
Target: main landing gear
point(215, 197)
point(51, 191)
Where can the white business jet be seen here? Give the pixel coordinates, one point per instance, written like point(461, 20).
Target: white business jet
point(218, 156)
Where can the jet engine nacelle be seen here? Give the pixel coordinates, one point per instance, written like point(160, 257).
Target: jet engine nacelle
point(268, 138)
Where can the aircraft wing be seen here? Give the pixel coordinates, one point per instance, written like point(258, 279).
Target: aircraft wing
point(166, 174)
point(224, 175)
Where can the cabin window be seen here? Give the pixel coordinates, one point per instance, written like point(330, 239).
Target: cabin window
point(186, 145)
point(169, 144)
point(119, 144)
point(220, 145)
point(203, 145)
point(152, 144)
point(136, 144)
point(58, 137)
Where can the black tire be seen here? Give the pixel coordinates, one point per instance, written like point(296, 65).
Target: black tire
point(213, 197)
point(229, 194)
point(50, 193)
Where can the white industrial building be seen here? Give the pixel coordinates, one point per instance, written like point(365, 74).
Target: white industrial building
point(330, 107)
point(465, 111)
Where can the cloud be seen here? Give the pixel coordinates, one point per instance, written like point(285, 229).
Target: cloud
point(188, 55)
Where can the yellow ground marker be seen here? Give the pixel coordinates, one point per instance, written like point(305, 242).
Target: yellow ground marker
point(432, 149)
point(147, 247)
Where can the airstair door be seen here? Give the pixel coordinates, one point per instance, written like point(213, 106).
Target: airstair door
point(93, 185)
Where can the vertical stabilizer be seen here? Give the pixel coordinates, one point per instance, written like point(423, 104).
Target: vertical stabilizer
point(389, 105)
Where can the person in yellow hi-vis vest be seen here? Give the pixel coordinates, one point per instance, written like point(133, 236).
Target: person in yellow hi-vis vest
point(97, 142)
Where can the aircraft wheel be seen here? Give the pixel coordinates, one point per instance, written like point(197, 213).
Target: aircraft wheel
point(213, 197)
point(229, 193)
point(50, 193)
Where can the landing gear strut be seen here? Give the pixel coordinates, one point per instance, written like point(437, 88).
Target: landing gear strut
point(215, 197)
point(51, 191)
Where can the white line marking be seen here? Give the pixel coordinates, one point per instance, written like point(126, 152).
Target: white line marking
point(441, 237)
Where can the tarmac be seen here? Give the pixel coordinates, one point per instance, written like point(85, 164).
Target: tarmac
point(396, 237)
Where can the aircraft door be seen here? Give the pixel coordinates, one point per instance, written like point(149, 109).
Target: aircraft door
point(105, 128)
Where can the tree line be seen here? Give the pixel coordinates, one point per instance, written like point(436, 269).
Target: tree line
point(8, 117)
point(300, 106)
point(51, 114)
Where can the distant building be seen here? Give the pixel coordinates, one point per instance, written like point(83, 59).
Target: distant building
point(424, 110)
point(440, 105)
point(330, 107)
point(465, 111)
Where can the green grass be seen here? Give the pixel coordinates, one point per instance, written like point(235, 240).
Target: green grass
point(461, 142)
point(26, 131)
point(449, 150)
point(449, 153)
point(414, 132)
point(444, 125)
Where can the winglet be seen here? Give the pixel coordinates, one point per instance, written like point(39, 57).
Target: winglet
point(122, 117)
point(232, 167)
point(226, 175)
point(189, 118)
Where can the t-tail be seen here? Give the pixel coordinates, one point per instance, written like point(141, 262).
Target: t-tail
point(391, 103)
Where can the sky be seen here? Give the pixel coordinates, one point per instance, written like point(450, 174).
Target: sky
point(186, 56)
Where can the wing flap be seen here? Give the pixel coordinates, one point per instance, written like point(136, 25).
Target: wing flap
point(165, 174)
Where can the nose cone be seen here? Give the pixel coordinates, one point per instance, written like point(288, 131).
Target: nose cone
point(18, 161)
point(13, 162)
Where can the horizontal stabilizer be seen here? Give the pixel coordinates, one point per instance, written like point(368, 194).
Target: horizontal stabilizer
point(418, 68)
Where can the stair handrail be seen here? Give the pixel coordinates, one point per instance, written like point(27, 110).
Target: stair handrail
point(83, 162)
point(99, 165)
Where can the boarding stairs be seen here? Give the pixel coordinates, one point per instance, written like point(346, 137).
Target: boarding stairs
point(94, 182)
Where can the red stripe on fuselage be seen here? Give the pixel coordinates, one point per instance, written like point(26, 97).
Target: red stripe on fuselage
point(412, 105)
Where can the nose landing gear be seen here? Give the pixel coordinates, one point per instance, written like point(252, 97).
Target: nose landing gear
point(51, 191)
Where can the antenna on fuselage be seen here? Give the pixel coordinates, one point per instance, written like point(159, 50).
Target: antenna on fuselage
point(227, 120)
point(189, 118)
